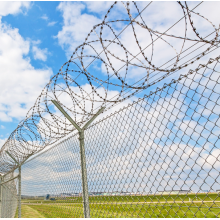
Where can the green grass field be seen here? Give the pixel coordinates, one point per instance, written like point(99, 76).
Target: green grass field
point(156, 206)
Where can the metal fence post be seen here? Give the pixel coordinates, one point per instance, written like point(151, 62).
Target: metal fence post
point(19, 192)
point(84, 176)
point(85, 191)
point(19, 184)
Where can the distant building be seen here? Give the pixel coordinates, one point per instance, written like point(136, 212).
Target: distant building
point(180, 191)
point(218, 190)
point(47, 197)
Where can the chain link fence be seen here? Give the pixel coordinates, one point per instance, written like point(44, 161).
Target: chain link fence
point(8, 195)
point(157, 157)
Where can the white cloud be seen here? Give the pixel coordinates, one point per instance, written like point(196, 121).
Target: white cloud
point(5, 117)
point(2, 127)
point(2, 141)
point(44, 17)
point(52, 23)
point(99, 6)
point(20, 82)
point(7, 7)
point(39, 54)
point(76, 25)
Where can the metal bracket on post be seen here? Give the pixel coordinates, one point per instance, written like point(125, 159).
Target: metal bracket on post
point(82, 155)
point(19, 184)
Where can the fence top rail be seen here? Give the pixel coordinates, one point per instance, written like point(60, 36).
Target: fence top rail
point(2, 183)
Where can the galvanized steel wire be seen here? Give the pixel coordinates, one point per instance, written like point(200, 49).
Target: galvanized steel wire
point(8, 196)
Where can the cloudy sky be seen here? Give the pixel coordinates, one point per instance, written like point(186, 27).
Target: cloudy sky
point(38, 37)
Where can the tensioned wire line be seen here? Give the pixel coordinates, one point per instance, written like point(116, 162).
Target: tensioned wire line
point(171, 65)
point(216, 47)
point(139, 91)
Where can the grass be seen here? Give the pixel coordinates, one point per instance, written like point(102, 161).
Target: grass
point(156, 206)
point(149, 198)
point(28, 212)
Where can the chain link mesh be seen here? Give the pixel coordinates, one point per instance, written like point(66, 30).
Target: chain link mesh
point(49, 179)
point(157, 157)
point(8, 196)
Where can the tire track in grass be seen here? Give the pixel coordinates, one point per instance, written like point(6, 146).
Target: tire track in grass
point(28, 212)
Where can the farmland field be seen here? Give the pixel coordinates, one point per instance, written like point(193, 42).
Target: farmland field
point(191, 205)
